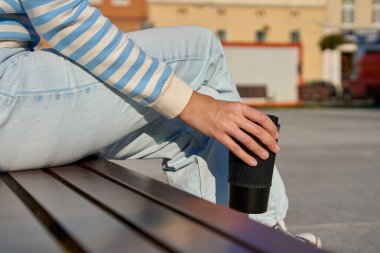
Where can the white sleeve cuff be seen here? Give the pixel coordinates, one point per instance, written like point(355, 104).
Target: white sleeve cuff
point(173, 98)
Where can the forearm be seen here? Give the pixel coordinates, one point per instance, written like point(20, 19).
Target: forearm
point(83, 34)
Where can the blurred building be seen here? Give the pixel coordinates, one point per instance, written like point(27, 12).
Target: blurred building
point(359, 22)
point(284, 21)
point(353, 17)
point(255, 21)
point(128, 15)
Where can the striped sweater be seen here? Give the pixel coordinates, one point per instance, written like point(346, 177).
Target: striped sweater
point(80, 32)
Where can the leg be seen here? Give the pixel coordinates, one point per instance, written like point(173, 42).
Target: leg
point(192, 162)
point(52, 112)
point(195, 54)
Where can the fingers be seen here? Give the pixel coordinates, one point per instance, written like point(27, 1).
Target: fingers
point(251, 144)
point(261, 134)
point(232, 122)
point(235, 139)
point(261, 119)
point(241, 127)
point(237, 150)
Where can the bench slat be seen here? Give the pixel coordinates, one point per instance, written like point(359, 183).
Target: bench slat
point(227, 222)
point(19, 230)
point(92, 228)
point(176, 231)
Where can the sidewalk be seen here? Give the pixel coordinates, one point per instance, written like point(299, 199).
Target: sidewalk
point(330, 162)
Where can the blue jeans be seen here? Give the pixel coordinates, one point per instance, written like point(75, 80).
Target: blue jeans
point(52, 112)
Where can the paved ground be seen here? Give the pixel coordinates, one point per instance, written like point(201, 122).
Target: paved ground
point(330, 162)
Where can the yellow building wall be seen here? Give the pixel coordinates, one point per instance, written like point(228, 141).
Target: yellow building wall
point(242, 22)
point(363, 14)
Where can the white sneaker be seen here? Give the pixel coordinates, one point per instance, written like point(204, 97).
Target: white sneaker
point(304, 237)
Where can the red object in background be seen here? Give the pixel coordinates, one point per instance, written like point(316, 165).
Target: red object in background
point(365, 81)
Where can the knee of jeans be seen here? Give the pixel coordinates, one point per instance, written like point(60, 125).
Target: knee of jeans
point(210, 38)
point(204, 37)
point(201, 31)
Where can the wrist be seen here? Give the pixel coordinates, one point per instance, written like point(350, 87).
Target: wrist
point(197, 104)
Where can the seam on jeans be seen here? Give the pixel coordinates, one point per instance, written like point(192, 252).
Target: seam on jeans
point(49, 92)
point(185, 59)
point(226, 77)
point(220, 57)
point(6, 95)
point(202, 179)
point(200, 143)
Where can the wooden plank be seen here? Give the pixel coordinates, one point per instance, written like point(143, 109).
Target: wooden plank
point(19, 230)
point(227, 222)
point(177, 232)
point(252, 91)
point(92, 228)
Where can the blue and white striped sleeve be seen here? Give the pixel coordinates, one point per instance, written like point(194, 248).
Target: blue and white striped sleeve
point(83, 34)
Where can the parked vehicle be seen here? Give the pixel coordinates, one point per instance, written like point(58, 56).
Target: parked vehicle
point(365, 79)
point(317, 91)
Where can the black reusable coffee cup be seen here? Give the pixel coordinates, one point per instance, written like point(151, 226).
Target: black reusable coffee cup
point(249, 186)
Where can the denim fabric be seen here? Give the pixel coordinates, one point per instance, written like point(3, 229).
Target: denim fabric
point(52, 112)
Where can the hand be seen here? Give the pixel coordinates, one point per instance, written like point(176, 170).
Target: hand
point(230, 121)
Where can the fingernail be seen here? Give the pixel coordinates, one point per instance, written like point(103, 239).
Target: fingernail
point(265, 155)
point(253, 162)
point(277, 148)
point(277, 135)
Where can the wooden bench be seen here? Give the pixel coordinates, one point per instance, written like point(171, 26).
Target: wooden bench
point(252, 91)
point(98, 206)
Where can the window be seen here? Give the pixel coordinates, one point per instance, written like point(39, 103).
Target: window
point(260, 13)
point(294, 13)
point(221, 11)
point(260, 36)
point(221, 34)
point(348, 12)
point(295, 36)
point(182, 10)
point(120, 2)
point(376, 12)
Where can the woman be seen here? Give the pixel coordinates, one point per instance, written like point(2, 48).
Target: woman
point(161, 93)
